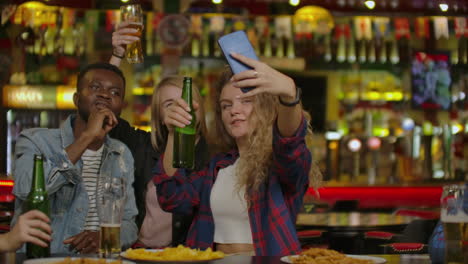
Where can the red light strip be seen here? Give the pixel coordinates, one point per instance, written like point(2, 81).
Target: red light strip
point(369, 197)
point(6, 183)
point(382, 197)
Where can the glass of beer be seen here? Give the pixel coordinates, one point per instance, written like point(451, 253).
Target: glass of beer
point(134, 16)
point(454, 216)
point(110, 203)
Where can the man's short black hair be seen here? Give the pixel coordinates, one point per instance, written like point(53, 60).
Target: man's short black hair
point(99, 65)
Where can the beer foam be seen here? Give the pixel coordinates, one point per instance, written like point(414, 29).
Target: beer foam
point(459, 217)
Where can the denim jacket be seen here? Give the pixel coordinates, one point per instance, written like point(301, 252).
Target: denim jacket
point(67, 194)
point(437, 244)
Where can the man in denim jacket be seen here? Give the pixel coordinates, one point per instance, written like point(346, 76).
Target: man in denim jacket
point(99, 98)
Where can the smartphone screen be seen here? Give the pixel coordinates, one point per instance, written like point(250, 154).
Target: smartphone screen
point(239, 43)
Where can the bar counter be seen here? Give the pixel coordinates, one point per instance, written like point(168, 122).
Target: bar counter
point(369, 196)
point(18, 258)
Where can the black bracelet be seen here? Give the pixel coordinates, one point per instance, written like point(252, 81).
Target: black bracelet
point(117, 56)
point(296, 101)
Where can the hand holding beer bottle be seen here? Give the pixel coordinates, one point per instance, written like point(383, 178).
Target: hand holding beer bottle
point(133, 16)
point(31, 227)
point(38, 200)
point(184, 137)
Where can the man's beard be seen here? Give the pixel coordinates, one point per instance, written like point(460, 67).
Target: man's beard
point(83, 114)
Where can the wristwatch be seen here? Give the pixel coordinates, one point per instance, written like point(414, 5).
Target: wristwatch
point(296, 101)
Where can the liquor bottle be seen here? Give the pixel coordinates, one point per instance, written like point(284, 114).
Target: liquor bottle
point(464, 53)
point(351, 49)
point(195, 51)
point(394, 56)
point(383, 52)
point(454, 55)
point(205, 42)
point(372, 57)
point(38, 200)
point(341, 50)
point(290, 53)
point(328, 55)
point(267, 49)
point(216, 49)
point(149, 33)
point(280, 48)
point(184, 137)
point(362, 51)
point(49, 37)
point(38, 40)
point(69, 39)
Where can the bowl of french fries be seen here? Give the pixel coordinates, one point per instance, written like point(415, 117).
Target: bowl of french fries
point(329, 256)
point(179, 254)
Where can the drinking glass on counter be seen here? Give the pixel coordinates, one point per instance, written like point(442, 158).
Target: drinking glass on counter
point(111, 202)
point(134, 15)
point(454, 216)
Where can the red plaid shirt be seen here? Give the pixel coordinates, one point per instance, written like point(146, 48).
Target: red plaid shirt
point(274, 206)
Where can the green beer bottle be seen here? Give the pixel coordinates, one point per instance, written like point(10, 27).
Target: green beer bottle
point(39, 200)
point(184, 138)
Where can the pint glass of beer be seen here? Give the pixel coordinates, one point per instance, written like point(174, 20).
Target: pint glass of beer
point(134, 15)
point(454, 216)
point(110, 205)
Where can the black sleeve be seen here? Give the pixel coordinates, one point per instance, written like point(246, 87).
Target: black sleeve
point(132, 137)
point(144, 156)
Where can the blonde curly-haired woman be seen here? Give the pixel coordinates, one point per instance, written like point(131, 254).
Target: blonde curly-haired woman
point(247, 199)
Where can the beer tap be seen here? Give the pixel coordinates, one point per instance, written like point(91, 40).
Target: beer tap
point(373, 143)
point(427, 146)
point(332, 156)
point(392, 141)
point(354, 145)
point(448, 153)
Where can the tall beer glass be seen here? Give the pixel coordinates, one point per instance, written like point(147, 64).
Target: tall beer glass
point(454, 215)
point(134, 15)
point(111, 202)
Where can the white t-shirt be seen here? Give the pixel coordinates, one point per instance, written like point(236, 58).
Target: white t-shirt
point(91, 165)
point(230, 213)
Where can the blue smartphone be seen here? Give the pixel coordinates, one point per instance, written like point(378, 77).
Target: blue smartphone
point(239, 43)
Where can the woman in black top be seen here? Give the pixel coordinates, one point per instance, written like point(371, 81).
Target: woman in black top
point(147, 147)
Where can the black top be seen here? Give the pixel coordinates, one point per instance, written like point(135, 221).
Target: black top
point(145, 158)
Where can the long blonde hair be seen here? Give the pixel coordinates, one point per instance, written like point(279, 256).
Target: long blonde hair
point(158, 128)
point(254, 164)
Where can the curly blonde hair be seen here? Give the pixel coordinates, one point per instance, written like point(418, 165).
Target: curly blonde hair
point(254, 164)
point(158, 128)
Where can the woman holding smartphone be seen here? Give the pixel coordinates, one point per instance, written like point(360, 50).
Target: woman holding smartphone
point(247, 198)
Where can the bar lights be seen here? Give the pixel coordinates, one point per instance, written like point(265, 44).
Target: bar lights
point(369, 4)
